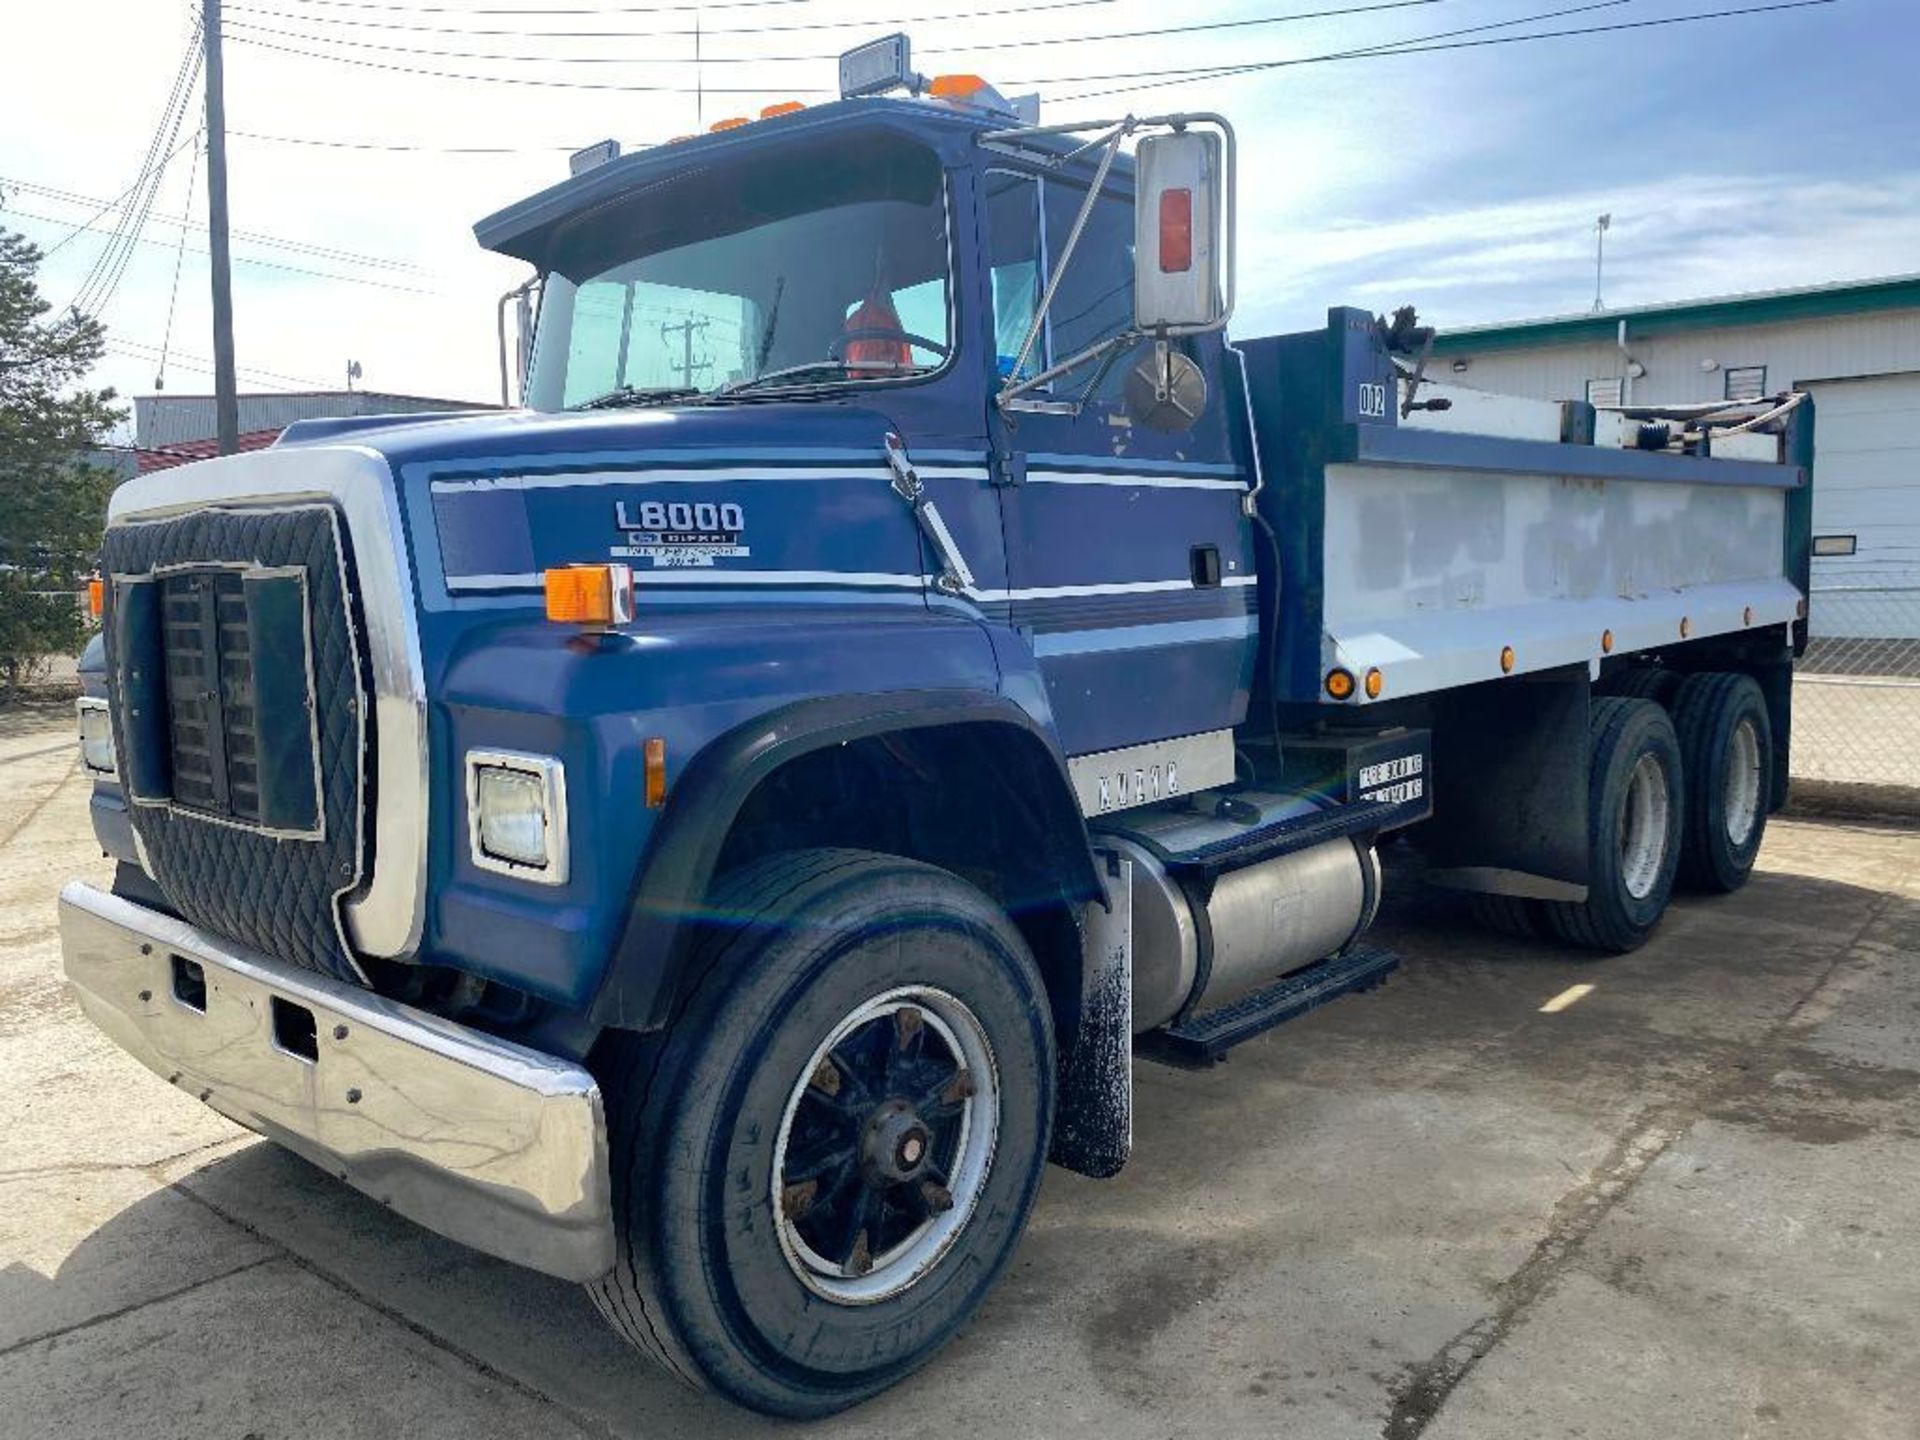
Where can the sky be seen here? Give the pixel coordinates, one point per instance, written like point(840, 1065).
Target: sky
point(1753, 153)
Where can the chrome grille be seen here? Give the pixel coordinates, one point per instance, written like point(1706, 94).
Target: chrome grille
point(212, 732)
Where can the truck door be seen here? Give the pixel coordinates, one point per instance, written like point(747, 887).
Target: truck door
point(1130, 566)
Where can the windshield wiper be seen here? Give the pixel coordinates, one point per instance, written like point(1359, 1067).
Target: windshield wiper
point(629, 395)
point(786, 372)
point(838, 368)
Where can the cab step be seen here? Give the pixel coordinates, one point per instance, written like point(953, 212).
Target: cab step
point(1204, 1039)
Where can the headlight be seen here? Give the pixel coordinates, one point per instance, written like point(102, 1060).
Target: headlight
point(96, 735)
point(517, 815)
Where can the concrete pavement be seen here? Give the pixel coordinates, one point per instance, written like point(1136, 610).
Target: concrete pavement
point(1679, 1207)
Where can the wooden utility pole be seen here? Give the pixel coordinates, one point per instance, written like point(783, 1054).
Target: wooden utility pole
point(226, 400)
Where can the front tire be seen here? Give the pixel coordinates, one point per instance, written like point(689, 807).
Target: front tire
point(821, 1169)
point(1635, 808)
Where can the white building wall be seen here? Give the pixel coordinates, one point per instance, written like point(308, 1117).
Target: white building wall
point(1795, 352)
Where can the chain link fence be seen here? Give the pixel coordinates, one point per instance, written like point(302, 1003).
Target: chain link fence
point(1856, 693)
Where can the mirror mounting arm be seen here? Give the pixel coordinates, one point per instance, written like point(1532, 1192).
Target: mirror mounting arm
point(1120, 133)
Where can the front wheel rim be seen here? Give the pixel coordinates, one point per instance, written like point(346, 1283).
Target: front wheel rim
point(885, 1145)
point(1643, 827)
point(1742, 783)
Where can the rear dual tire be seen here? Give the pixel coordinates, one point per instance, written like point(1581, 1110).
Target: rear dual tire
point(823, 1165)
point(1726, 747)
point(1636, 805)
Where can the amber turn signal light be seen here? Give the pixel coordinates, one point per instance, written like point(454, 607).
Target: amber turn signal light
point(1340, 684)
point(1506, 659)
point(1376, 682)
point(955, 87)
point(96, 597)
point(656, 763)
point(590, 595)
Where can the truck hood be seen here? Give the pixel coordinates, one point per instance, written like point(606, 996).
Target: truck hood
point(698, 499)
point(737, 429)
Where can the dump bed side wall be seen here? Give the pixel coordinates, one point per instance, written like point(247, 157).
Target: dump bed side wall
point(1443, 559)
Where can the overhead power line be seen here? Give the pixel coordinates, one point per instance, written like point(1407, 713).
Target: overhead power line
point(323, 143)
point(179, 254)
point(1157, 79)
point(1150, 79)
point(258, 237)
point(201, 365)
point(102, 280)
point(248, 36)
point(256, 262)
point(532, 81)
point(680, 62)
point(1382, 47)
point(705, 32)
point(547, 10)
point(85, 226)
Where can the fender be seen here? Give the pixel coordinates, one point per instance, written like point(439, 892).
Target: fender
point(678, 866)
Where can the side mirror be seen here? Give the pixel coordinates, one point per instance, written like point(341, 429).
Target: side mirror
point(514, 372)
point(1178, 257)
point(523, 304)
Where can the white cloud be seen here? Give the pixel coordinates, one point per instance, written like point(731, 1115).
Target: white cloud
point(1673, 238)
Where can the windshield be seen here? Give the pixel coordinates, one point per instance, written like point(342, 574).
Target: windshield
point(811, 268)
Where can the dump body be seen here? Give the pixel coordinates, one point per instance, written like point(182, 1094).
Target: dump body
point(1442, 557)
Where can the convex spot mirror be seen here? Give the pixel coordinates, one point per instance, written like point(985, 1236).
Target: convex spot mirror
point(1177, 258)
point(1166, 390)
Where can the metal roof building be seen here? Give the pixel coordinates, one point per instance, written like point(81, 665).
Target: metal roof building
point(1854, 346)
point(176, 429)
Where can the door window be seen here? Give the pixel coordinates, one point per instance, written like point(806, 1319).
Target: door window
point(1015, 263)
point(1095, 300)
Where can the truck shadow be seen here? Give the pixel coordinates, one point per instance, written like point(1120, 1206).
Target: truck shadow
point(1367, 1170)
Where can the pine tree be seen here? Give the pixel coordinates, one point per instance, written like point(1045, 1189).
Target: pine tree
point(53, 503)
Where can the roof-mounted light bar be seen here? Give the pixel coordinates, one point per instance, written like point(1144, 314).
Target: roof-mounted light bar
point(593, 157)
point(878, 67)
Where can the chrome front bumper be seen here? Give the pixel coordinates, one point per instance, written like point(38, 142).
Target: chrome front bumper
point(488, 1143)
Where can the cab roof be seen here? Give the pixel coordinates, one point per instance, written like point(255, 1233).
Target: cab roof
point(526, 228)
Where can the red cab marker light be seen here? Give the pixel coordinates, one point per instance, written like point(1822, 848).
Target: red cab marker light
point(1176, 231)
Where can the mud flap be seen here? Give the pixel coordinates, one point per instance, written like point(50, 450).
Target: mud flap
point(1510, 762)
point(1093, 1119)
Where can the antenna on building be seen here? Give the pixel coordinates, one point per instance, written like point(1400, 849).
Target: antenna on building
point(1600, 228)
point(353, 373)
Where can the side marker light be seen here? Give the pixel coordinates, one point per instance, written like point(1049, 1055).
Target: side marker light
point(594, 595)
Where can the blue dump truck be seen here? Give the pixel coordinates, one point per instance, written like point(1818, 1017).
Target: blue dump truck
point(716, 831)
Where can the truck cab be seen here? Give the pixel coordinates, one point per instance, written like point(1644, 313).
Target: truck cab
point(716, 831)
